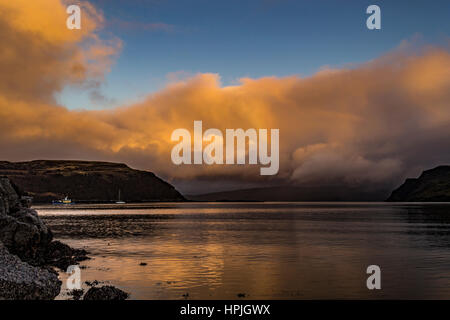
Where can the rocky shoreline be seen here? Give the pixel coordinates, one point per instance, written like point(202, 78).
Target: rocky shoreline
point(28, 252)
point(21, 281)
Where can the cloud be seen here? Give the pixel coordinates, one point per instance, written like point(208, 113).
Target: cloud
point(39, 55)
point(99, 99)
point(373, 123)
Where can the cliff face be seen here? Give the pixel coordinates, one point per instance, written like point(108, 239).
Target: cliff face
point(87, 181)
point(432, 186)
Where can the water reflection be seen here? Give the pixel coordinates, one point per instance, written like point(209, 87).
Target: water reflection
point(266, 250)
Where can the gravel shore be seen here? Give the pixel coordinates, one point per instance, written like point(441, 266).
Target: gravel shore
point(20, 281)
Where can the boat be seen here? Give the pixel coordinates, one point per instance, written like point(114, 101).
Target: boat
point(66, 200)
point(120, 201)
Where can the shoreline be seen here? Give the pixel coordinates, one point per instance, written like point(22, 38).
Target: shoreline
point(30, 258)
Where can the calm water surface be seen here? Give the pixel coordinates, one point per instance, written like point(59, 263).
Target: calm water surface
point(265, 250)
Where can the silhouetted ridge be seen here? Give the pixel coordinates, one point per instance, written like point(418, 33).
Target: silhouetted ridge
point(432, 186)
point(48, 180)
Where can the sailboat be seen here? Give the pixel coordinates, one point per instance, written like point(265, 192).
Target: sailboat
point(120, 201)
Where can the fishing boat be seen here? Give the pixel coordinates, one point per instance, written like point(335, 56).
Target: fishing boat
point(66, 200)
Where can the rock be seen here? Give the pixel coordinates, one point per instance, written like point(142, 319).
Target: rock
point(76, 294)
point(23, 239)
point(432, 186)
point(9, 199)
point(143, 264)
point(92, 284)
point(24, 234)
point(27, 250)
point(21, 281)
point(105, 293)
point(21, 230)
point(62, 256)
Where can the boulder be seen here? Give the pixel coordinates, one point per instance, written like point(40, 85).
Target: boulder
point(21, 230)
point(24, 234)
point(105, 293)
point(60, 255)
point(9, 199)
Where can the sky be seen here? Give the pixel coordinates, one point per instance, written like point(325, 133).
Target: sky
point(354, 106)
point(163, 39)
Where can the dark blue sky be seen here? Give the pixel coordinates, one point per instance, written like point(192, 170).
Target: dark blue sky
point(255, 38)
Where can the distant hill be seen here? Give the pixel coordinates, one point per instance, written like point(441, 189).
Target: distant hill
point(289, 193)
point(432, 185)
point(48, 180)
